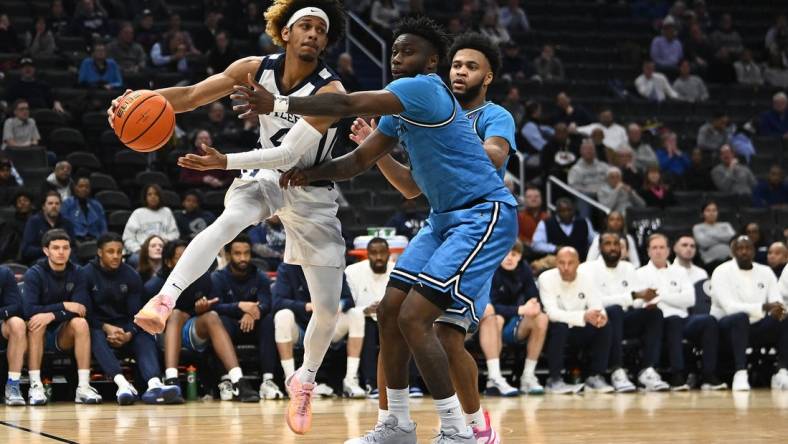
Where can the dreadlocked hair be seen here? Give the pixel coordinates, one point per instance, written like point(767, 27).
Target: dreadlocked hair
point(277, 15)
point(427, 29)
point(478, 42)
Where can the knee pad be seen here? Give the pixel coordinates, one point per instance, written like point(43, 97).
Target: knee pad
point(283, 324)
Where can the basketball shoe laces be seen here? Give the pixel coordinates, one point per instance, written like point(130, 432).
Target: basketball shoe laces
point(304, 400)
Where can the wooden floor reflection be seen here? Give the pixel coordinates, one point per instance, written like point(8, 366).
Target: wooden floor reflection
point(694, 417)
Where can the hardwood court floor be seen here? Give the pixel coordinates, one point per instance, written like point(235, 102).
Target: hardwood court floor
point(694, 417)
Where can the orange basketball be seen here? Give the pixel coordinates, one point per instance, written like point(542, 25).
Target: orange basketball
point(144, 120)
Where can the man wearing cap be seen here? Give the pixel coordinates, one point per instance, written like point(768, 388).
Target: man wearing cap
point(36, 92)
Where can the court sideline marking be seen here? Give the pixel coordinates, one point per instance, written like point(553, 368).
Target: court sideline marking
point(47, 435)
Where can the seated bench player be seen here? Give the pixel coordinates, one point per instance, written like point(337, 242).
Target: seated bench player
point(513, 316)
point(14, 334)
point(293, 306)
point(195, 325)
point(115, 291)
point(54, 300)
point(577, 318)
point(244, 294)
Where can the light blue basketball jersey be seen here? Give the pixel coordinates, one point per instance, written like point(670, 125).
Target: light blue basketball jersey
point(447, 161)
point(491, 120)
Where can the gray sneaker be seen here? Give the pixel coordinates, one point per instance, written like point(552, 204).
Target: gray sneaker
point(454, 436)
point(13, 394)
point(598, 384)
point(389, 432)
point(558, 386)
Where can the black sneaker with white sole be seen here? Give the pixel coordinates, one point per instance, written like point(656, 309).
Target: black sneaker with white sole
point(243, 391)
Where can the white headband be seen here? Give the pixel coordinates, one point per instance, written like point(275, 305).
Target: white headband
point(309, 10)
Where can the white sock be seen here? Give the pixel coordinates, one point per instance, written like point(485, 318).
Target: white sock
point(494, 369)
point(120, 381)
point(288, 365)
point(235, 374)
point(154, 383)
point(35, 377)
point(171, 373)
point(530, 367)
point(268, 376)
point(476, 419)
point(398, 404)
point(450, 413)
point(352, 367)
point(171, 289)
point(14, 376)
point(84, 377)
point(382, 415)
point(307, 372)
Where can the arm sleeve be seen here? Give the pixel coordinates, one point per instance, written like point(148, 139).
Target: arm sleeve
point(301, 137)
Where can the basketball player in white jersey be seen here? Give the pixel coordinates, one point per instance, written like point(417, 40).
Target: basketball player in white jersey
point(304, 28)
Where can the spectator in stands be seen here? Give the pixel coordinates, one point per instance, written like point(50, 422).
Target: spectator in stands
point(698, 176)
point(384, 15)
point(293, 311)
point(603, 152)
point(222, 128)
point(145, 32)
point(747, 303)
point(55, 304)
point(653, 85)
point(589, 173)
point(666, 49)
point(549, 67)
point(210, 178)
point(157, 8)
point(130, 55)
point(42, 41)
point(192, 219)
point(676, 297)
point(221, 54)
point(98, 71)
point(713, 237)
point(624, 159)
point(753, 231)
point(171, 53)
point(513, 18)
point(194, 325)
point(617, 195)
point(205, 37)
point(37, 225)
point(730, 176)
point(346, 72)
point(151, 218)
point(534, 132)
point(367, 281)
point(678, 16)
point(150, 257)
point(9, 38)
point(774, 122)
point(60, 180)
point(644, 154)
point(578, 318)
point(671, 159)
point(747, 72)
point(514, 67)
point(685, 249)
point(409, 219)
point(698, 48)
point(245, 305)
point(90, 21)
point(560, 153)
point(530, 216)
point(58, 19)
point(115, 294)
point(727, 37)
point(568, 113)
point(714, 134)
point(174, 26)
point(20, 130)
point(14, 334)
point(455, 26)
point(654, 191)
point(616, 223)
point(250, 27)
point(772, 192)
point(492, 29)
point(689, 87)
point(9, 178)
point(776, 40)
point(563, 229)
point(721, 68)
point(37, 93)
point(513, 104)
point(268, 242)
point(12, 231)
point(777, 257)
point(85, 213)
point(615, 134)
point(513, 317)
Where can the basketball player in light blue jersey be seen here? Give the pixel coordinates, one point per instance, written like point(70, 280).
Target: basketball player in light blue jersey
point(471, 228)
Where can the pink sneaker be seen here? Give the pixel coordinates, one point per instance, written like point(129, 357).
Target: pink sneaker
point(153, 316)
point(486, 435)
point(299, 410)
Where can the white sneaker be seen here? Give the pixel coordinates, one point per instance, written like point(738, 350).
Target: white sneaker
point(87, 395)
point(559, 387)
point(324, 391)
point(529, 384)
point(780, 380)
point(226, 389)
point(126, 395)
point(621, 382)
point(454, 436)
point(652, 382)
point(269, 390)
point(388, 432)
point(741, 381)
point(499, 387)
point(351, 388)
point(36, 395)
point(598, 384)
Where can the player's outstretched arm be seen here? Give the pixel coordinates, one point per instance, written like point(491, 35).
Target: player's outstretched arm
point(497, 149)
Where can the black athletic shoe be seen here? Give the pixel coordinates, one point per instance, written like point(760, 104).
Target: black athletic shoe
point(712, 382)
point(244, 392)
point(173, 397)
point(678, 382)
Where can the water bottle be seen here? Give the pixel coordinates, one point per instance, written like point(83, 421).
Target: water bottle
point(191, 383)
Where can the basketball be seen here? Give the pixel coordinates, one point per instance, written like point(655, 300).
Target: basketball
point(144, 120)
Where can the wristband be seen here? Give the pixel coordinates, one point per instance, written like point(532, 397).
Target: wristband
point(281, 103)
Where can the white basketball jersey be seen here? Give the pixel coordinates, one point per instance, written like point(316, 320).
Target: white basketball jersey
point(274, 126)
